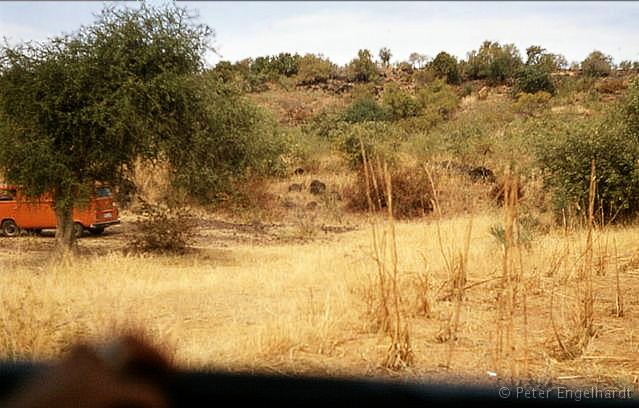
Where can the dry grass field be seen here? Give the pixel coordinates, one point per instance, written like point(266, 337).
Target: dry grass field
point(241, 302)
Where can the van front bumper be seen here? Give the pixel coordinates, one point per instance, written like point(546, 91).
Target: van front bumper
point(104, 224)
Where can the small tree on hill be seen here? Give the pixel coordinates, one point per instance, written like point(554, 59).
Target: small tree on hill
point(535, 76)
point(597, 64)
point(362, 68)
point(494, 62)
point(385, 55)
point(445, 66)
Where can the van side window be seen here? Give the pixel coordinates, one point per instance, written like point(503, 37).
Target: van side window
point(7, 195)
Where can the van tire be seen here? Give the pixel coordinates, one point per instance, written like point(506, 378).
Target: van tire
point(96, 231)
point(10, 229)
point(78, 230)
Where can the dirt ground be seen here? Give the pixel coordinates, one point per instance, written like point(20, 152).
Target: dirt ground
point(253, 296)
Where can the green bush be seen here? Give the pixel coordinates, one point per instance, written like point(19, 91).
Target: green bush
point(494, 62)
point(534, 78)
point(614, 145)
point(237, 140)
point(597, 64)
point(399, 103)
point(283, 64)
point(530, 104)
point(381, 140)
point(286, 64)
point(326, 123)
point(423, 77)
point(314, 69)
point(365, 109)
point(363, 68)
point(438, 97)
point(445, 66)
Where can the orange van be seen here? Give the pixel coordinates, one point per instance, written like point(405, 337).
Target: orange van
point(18, 212)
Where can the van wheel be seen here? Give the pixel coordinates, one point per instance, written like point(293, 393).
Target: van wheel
point(78, 230)
point(10, 229)
point(96, 231)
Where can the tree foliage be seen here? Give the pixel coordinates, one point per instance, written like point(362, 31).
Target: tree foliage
point(363, 68)
point(235, 140)
point(365, 109)
point(535, 75)
point(315, 69)
point(494, 62)
point(385, 55)
point(445, 66)
point(597, 64)
point(614, 145)
point(82, 107)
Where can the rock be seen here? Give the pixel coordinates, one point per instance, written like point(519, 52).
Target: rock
point(288, 204)
point(296, 187)
point(482, 173)
point(483, 93)
point(317, 187)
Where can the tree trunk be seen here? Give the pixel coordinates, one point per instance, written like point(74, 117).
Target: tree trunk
point(64, 234)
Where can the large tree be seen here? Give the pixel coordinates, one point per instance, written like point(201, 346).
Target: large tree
point(82, 107)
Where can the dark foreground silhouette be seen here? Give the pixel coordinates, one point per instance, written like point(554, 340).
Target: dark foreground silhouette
point(131, 373)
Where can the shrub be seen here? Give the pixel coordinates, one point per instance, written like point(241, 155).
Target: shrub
point(597, 64)
point(326, 122)
point(438, 97)
point(242, 140)
point(614, 145)
point(611, 86)
point(314, 69)
point(424, 76)
point(365, 109)
point(381, 140)
point(467, 90)
point(539, 57)
point(399, 103)
point(286, 64)
point(411, 191)
point(163, 229)
point(494, 62)
point(530, 104)
point(534, 78)
point(363, 68)
point(445, 66)
point(405, 67)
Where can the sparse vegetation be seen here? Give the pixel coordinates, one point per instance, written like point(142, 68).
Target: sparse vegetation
point(163, 229)
point(446, 216)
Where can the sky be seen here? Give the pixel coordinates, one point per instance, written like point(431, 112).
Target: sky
point(338, 29)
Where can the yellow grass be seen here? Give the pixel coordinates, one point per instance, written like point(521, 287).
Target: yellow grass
point(303, 307)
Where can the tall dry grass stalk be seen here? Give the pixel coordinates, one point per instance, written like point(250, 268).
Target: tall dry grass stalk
point(574, 344)
point(390, 311)
point(507, 353)
point(588, 301)
point(619, 307)
point(456, 265)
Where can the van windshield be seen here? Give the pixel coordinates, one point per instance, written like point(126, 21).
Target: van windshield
point(103, 192)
